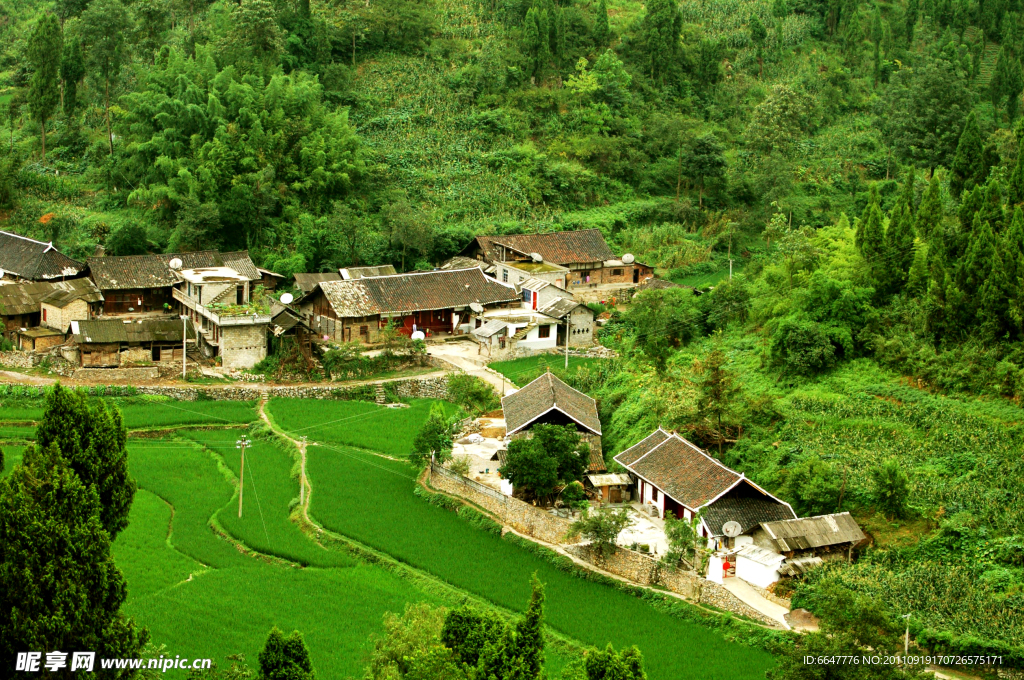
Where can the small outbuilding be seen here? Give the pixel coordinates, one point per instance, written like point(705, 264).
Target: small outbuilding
point(613, 487)
point(809, 540)
point(758, 566)
point(38, 339)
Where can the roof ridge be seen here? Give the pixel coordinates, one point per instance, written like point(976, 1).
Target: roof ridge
point(432, 271)
point(26, 238)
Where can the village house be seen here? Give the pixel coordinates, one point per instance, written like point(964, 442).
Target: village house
point(584, 253)
point(675, 476)
point(53, 304)
point(539, 323)
point(809, 541)
point(270, 280)
point(113, 343)
point(230, 324)
point(25, 259)
point(437, 302)
point(549, 401)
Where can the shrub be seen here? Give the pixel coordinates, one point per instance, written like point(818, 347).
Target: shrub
point(891, 489)
point(802, 347)
point(471, 394)
point(601, 528)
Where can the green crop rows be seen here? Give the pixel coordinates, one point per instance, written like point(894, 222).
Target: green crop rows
point(353, 423)
point(525, 370)
point(372, 500)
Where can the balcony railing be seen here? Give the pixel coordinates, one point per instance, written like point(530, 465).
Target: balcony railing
point(219, 318)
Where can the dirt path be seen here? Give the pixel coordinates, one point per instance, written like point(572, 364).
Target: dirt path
point(462, 356)
point(22, 379)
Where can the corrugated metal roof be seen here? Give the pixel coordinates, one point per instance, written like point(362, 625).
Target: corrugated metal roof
point(25, 297)
point(814, 532)
point(34, 260)
point(560, 308)
point(760, 555)
point(490, 328)
point(542, 395)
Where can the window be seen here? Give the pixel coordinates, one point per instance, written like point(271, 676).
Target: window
point(527, 295)
point(544, 332)
point(654, 496)
point(616, 272)
point(504, 276)
point(364, 331)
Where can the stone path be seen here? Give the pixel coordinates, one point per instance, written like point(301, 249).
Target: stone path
point(742, 590)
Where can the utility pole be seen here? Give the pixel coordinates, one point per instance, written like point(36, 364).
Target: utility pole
point(906, 637)
point(568, 329)
point(302, 473)
point(184, 344)
point(241, 444)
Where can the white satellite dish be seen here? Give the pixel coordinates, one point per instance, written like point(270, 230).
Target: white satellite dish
point(175, 263)
point(418, 335)
point(2, 273)
point(732, 529)
point(536, 257)
point(476, 307)
point(628, 258)
point(287, 298)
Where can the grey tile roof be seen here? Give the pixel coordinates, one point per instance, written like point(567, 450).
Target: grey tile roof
point(813, 532)
point(141, 331)
point(154, 271)
point(749, 509)
point(559, 247)
point(308, 281)
point(543, 394)
point(25, 298)
point(642, 447)
point(415, 292)
point(34, 260)
point(461, 262)
point(360, 272)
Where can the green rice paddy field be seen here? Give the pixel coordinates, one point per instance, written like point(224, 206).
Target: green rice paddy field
point(194, 583)
point(526, 369)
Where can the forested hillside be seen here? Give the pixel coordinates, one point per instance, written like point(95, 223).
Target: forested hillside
point(857, 160)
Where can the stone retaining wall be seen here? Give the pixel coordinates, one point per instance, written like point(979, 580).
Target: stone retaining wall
point(16, 359)
point(429, 388)
point(645, 570)
point(523, 517)
point(98, 374)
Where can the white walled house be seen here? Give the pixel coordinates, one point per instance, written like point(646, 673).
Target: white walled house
point(758, 566)
point(675, 476)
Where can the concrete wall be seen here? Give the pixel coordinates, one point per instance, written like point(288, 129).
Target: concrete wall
point(645, 570)
point(243, 346)
point(523, 517)
point(533, 341)
point(59, 319)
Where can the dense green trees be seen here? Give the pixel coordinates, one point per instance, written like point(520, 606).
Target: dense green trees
point(285, 658)
point(105, 26)
point(551, 457)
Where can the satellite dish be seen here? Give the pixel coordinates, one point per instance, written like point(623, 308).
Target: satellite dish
point(628, 258)
point(287, 298)
point(418, 335)
point(476, 307)
point(175, 263)
point(1, 273)
point(536, 257)
point(732, 529)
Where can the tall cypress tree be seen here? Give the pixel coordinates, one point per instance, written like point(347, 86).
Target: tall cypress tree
point(59, 586)
point(529, 632)
point(929, 215)
point(910, 19)
point(45, 48)
point(876, 38)
point(1015, 191)
point(858, 237)
point(531, 39)
point(976, 264)
point(992, 206)
point(72, 70)
point(967, 167)
point(659, 33)
point(899, 247)
point(601, 28)
point(94, 443)
point(872, 242)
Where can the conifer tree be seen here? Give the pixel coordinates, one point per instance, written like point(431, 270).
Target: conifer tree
point(72, 70)
point(929, 214)
point(992, 206)
point(872, 245)
point(758, 34)
point(910, 19)
point(531, 39)
point(899, 247)
point(59, 586)
point(529, 632)
point(659, 33)
point(993, 308)
point(858, 238)
point(971, 202)
point(967, 169)
point(976, 263)
point(917, 279)
point(560, 48)
point(1015, 191)
point(876, 38)
point(285, 658)
point(601, 28)
point(93, 441)
point(44, 50)
point(906, 196)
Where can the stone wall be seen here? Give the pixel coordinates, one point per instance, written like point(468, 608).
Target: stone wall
point(645, 570)
point(243, 346)
point(129, 374)
point(429, 388)
point(523, 517)
point(14, 359)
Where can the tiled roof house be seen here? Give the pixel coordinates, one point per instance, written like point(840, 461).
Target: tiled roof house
point(678, 477)
point(548, 400)
point(31, 260)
